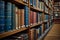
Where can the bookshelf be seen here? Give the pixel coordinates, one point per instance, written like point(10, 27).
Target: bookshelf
point(28, 15)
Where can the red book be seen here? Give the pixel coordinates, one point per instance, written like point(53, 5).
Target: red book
point(31, 18)
point(34, 19)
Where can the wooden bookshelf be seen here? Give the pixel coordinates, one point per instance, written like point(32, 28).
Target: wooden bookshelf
point(47, 6)
point(21, 2)
point(16, 2)
point(36, 9)
point(5, 34)
point(36, 24)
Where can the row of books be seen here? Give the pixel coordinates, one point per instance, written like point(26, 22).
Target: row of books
point(16, 17)
point(46, 25)
point(46, 17)
point(35, 17)
point(49, 3)
point(36, 33)
point(23, 36)
point(37, 4)
point(46, 1)
point(46, 9)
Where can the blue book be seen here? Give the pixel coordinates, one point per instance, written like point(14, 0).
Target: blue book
point(26, 16)
point(2, 16)
point(13, 17)
point(31, 2)
point(40, 30)
point(8, 16)
point(34, 3)
point(38, 3)
point(46, 17)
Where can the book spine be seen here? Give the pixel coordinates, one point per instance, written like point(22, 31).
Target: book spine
point(22, 18)
point(19, 18)
point(30, 18)
point(34, 17)
point(13, 17)
point(38, 17)
point(16, 17)
point(32, 34)
point(46, 17)
point(40, 33)
point(2, 16)
point(31, 2)
point(8, 17)
point(34, 3)
point(26, 15)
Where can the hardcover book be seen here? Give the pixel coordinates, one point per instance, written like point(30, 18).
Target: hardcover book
point(2, 16)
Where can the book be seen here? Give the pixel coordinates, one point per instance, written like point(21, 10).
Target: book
point(31, 18)
point(31, 2)
point(2, 16)
point(8, 16)
point(39, 31)
point(34, 3)
point(22, 18)
point(32, 34)
point(26, 16)
point(46, 17)
point(38, 4)
point(13, 17)
point(19, 18)
point(16, 17)
point(38, 17)
point(41, 6)
point(34, 17)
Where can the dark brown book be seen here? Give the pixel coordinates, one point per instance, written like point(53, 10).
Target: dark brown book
point(32, 34)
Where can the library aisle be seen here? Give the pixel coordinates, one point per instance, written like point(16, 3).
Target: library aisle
point(54, 33)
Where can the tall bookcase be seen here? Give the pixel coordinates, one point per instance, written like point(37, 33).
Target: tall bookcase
point(56, 12)
point(27, 19)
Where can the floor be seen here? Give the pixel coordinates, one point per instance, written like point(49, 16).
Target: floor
point(54, 33)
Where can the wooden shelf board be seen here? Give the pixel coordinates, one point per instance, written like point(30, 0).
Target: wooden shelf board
point(47, 6)
point(21, 2)
point(35, 9)
point(45, 20)
point(35, 24)
point(5, 34)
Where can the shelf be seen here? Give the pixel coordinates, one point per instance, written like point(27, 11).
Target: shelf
point(16, 2)
point(45, 33)
point(36, 24)
point(46, 13)
point(5, 34)
point(35, 9)
point(45, 20)
point(21, 2)
point(47, 6)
